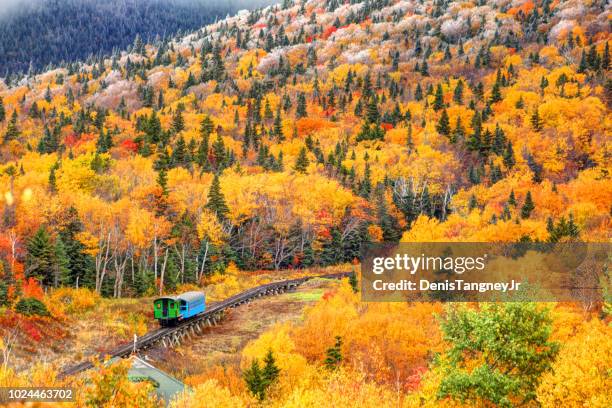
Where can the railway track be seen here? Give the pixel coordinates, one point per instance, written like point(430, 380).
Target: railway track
point(170, 336)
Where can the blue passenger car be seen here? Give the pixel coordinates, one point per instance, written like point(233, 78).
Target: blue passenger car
point(171, 309)
point(191, 304)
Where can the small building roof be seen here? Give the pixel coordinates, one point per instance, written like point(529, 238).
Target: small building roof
point(166, 386)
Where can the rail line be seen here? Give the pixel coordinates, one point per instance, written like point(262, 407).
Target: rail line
point(170, 336)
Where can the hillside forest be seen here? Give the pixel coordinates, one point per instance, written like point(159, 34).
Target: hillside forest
point(286, 138)
point(36, 35)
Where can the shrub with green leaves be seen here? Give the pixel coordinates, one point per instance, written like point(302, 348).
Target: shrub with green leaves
point(497, 354)
point(31, 307)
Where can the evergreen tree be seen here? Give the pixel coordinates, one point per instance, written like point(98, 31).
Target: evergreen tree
point(424, 68)
point(300, 111)
point(253, 377)
point(278, 125)
point(270, 371)
point(372, 114)
point(104, 142)
point(443, 126)
point(528, 206)
point(259, 380)
point(12, 131)
point(572, 229)
point(80, 265)
point(473, 204)
point(418, 92)
point(268, 110)
point(40, 258)
point(536, 122)
point(512, 199)
point(52, 178)
point(506, 213)
point(365, 186)
point(458, 93)
point(302, 162)
point(334, 355)
point(219, 152)
point(508, 157)
point(216, 200)
point(426, 205)
point(2, 110)
point(438, 98)
point(353, 282)
point(206, 126)
point(162, 181)
point(180, 153)
point(409, 141)
point(496, 93)
point(62, 262)
point(178, 123)
point(388, 223)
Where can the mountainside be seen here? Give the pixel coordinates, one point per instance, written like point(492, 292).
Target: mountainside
point(43, 32)
point(290, 136)
point(281, 141)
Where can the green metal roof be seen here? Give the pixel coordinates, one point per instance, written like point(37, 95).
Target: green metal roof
point(166, 386)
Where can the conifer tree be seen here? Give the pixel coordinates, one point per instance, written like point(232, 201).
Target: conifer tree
point(528, 206)
point(61, 264)
point(438, 98)
point(300, 111)
point(302, 162)
point(496, 93)
point(508, 157)
point(458, 93)
point(278, 126)
point(80, 265)
point(536, 122)
point(180, 154)
point(512, 199)
point(53, 179)
point(216, 200)
point(334, 355)
point(2, 110)
point(270, 371)
point(372, 114)
point(40, 259)
point(443, 126)
point(458, 133)
point(418, 92)
point(12, 131)
point(353, 282)
point(424, 68)
point(162, 181)
point(409, 141)
point(365, 185)
point(178, 123)
point(426, 205)
point(253, 377)
point(218, 150)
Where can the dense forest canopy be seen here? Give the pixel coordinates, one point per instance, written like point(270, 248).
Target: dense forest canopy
point(35, 33)
point(290, 136)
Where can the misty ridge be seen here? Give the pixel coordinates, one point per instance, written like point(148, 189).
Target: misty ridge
point(37, 34)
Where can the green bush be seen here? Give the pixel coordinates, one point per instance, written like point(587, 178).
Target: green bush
point(31, 306)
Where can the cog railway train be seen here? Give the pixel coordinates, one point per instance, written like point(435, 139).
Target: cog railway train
point(170, 310)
